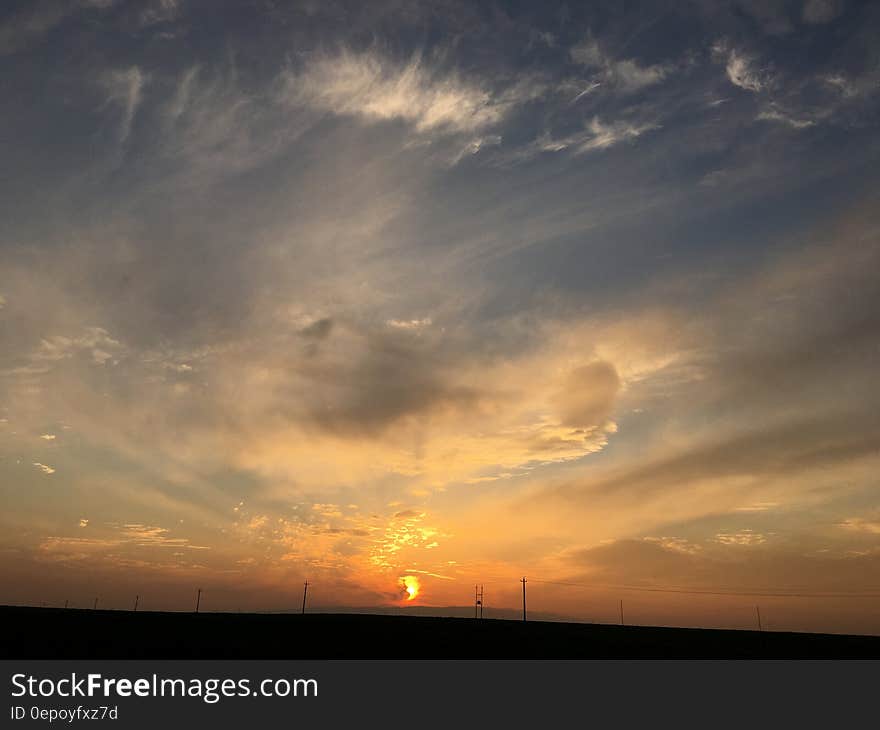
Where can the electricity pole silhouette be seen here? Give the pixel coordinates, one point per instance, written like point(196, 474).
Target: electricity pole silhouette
point(481, 602)
point(523, 581)
point(476, 600)
point(96, 604)
point(758, 611)
point(198, 599)
point(621, 612)
point(65, 604)
point(305, 591)
point(136, 599)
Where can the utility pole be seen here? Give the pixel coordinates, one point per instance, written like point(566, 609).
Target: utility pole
point(65, 604)
point(758, 611)
point(96, 604)
point(198, 599)
point(476, 600)
point(621, 612)
point(481, 601)
point(305, 591)
point(523, 581)
point(136, 599)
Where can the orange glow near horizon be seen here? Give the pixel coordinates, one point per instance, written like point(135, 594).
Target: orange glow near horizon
point(411, 586)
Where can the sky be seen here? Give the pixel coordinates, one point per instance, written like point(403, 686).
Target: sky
point(401, 295)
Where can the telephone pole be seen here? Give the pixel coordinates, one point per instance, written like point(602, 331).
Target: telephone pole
point(65, 604)
point(758, 611)
point(96, 604)
point(480, 602)
point(523, 581)
point(305, 591)
point(198, 599)
point(621, 612)
point(136, 599)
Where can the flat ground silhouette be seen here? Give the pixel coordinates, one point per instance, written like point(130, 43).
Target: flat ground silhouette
point(51, 633)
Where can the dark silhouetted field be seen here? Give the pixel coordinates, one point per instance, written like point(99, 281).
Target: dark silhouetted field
point(46, 633)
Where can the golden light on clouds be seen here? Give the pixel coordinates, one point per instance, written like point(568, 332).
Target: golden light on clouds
point(440, 310)
point(411, 587)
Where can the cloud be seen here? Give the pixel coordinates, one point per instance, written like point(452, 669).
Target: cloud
point(742, 537)
point(215, 126)
point(604, 135)
point(327, 510)
point(625, 75)
point(588, 394)
point(676, 544)
point(859, 524)
point(740, 68)
point(119, 545)
point(48, 437)
point(160, 11)
point(318, 330)
point(375, 88)
point(44, 468)
point(782, 416)
point(773, 114)
point(597, 135)
point(280, 294)
point(759, 452)
point(95, 341)
point(841, 84)
point(125, 90)
point(758, 507)
point(409, 324)
point(651, 565)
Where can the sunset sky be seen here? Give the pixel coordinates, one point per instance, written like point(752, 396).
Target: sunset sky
point(452, 292)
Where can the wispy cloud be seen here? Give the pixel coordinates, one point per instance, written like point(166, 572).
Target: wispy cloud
point(597, 135)
point(774, 114)
point(115, 544)
point(741, 537)
point(859, 524)
point(291, 265)
point(375, 88)
point(625, 75)
point(409, 324)
point(95, 341)
point(125, 91)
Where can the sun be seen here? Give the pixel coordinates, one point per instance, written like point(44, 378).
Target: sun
point(411, 587)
